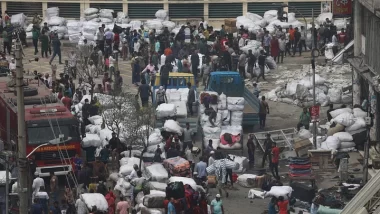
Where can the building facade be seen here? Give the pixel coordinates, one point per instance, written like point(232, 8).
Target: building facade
point(178, 9)
point(366, 63)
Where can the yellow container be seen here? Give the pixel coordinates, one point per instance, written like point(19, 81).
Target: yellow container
point(176, 80)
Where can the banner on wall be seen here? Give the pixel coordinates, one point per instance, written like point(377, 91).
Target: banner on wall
point(342, 7)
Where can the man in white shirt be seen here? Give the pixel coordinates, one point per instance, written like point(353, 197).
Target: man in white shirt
point(136, 46)
point(303, 38)
point(241, 42)
point(112, 65)
point(190, 156)
point(133, 174)
point(12, 65)
point(37, 184)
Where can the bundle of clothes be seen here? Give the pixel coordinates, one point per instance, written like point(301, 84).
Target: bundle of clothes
point(299, 166)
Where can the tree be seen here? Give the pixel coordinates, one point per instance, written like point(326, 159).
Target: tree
point(130, 122)
point(138, 128)
point(85, 71)
point(117, 112)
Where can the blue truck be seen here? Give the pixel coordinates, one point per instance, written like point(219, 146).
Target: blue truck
point(232, 84)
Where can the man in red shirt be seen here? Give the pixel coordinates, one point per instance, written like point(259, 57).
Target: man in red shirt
point(342, 36)
point(223, 42)
point(275, 158)
point(291, 35)
point(67, 101)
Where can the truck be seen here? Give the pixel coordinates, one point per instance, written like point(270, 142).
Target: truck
point(45, 119)
point(178, 81)
point(232, 85)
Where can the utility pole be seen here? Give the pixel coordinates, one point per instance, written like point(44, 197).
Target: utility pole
point(313, 67)
point(367, 143)
point(21, 141)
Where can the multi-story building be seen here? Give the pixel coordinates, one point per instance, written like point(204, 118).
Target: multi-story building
point(366, 63)
point(178, 9)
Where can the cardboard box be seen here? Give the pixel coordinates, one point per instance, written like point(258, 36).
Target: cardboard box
point(302, 146)
point(231, 29)
point(231, 22)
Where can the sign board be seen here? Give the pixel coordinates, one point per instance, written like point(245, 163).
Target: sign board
point(314, 113)
point(342, 8)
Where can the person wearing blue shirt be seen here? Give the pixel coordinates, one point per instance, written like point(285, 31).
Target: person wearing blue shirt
point(171, 208)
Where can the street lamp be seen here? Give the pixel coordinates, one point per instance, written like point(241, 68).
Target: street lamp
point(51, 142)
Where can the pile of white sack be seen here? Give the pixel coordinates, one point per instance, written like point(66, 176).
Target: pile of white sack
point(58, 24)
point(154, 140)
point(176, 105)
point(95, 199)
point(52, 12)
point(348, 123)
point(74, 30)
point(161, 21)
point(254, 23)
point(228, 119)
point(106, 16)
point(91, 14)
point(296, 86)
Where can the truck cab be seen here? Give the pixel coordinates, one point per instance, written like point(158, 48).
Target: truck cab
point(232, 84)
point(45, 119)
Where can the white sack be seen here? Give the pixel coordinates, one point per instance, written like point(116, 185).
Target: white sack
point(346, 145)
point(29, 28)
point(247, 180)
point(235, 101)
point(236, 118)
point(92, 17)
point(136, 24)
point(122, 184)
point(162, 14)
point(157, 172)
point(278, 191)
point(339, 111)
point(52, 11)
point(166, 110)
point(91, 140)
point(234, 130)
point(335, 95)
point(242, 161)
point(95, 199)
point(304, 134)
point(18, 19)
point(169, 24)
point(322, 17)
point(226, 116)
point(96, 120)
point(211, 132)
point(358, 124)
point(343, 136)
point(154, 185)
point(106, 13)
point(256, 194)
point(173, 126)
point(346, 119)
point(358, 112)
point(154, 24)
point(126, 165)
point(253, 16)
point(331, 143)
point(155, 139)
point(90, 11)
point(57, 21)
point(114, 177)
point(222, 102)
point(184, 180)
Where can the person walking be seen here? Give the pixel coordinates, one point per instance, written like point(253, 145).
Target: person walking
point(267, 42)
point(282, 205)
point(261, 62)
point(274, 162)
point(194, 65)
point(303, 38)
point(56, 49)
point(190, 98)
point(274, 48)
point(251, 63)
point(268, 150)
point(287, 42)
point(164, 74)
point(263, 111)
point(123, 206)
point(251, 151)
point(145, 92)
point(85, 51)
point(188, 136)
